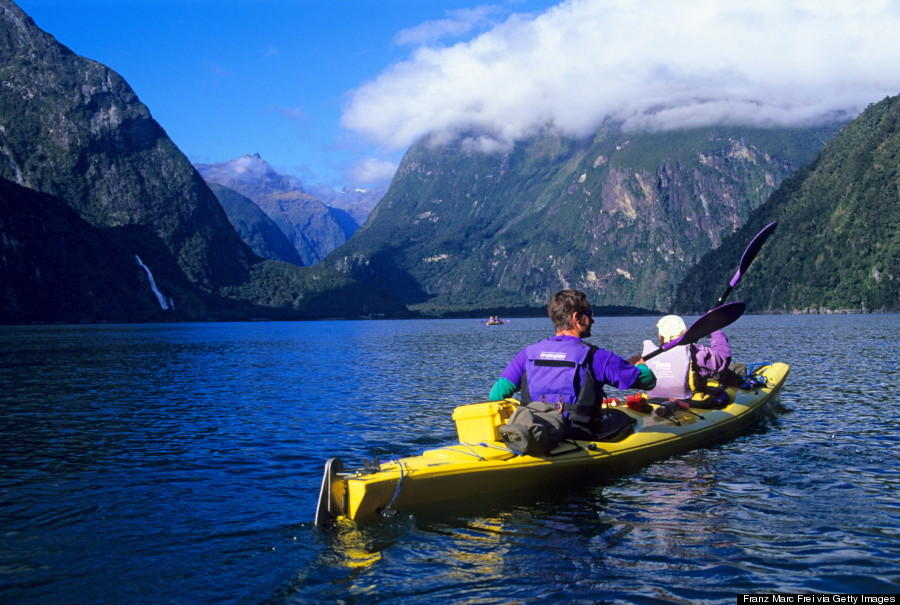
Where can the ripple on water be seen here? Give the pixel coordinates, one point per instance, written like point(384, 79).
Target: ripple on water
point(182, 463)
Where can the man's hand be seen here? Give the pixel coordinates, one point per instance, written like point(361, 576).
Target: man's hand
point(636, 359)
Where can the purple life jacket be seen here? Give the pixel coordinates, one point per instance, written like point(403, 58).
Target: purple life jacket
point(559, 371)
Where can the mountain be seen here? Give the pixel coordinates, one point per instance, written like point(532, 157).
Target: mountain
point(837, 244)
point(74, 130)
point(255, 227)
point(621, 216)
point(312, 227)
point(358, 202)
point(49, 255)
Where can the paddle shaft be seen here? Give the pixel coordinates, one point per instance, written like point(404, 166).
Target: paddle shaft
point(713, 320)
point(749, 254)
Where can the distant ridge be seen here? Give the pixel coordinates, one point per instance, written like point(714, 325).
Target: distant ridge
point(313, 226)
point(255, 227)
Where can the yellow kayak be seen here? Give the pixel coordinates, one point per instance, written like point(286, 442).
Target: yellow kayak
point(481, 464)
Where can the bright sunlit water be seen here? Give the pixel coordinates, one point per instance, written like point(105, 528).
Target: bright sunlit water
point(182, 463)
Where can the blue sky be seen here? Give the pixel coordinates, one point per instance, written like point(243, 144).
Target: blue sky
point(334, 91)
point(233, 77)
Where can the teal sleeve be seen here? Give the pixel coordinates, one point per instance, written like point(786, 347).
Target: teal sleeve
point(646, 379)
point(502, 389)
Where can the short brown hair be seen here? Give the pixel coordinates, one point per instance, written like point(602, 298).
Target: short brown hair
point(563, 304)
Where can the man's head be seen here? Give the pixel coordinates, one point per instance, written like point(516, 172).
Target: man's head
point(670, 327)
point(570, 310)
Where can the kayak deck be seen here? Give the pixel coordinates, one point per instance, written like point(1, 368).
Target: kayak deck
point(477, 468)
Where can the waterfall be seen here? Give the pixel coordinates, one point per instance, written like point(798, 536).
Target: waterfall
point(166, 304)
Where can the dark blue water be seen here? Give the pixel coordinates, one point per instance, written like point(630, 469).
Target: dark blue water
point(181, 464)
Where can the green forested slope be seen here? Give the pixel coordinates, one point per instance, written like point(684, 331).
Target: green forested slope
point(837, 246)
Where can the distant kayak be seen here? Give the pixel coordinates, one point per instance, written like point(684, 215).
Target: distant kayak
point(481, 464)
point(494, 321)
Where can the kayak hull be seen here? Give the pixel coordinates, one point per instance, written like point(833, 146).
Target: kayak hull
point(477, 469)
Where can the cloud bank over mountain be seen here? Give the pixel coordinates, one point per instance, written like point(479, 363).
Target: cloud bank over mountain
point(654, 64)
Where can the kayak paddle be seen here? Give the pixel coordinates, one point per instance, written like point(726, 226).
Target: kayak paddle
point(714, 320)
point(749, 254)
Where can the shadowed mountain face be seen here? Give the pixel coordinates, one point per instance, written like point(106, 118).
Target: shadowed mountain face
point(255, 227)
point(73, 129)
point(621, 216)
point(51, 259)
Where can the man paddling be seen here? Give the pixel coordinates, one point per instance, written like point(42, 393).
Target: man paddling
point(568, 372)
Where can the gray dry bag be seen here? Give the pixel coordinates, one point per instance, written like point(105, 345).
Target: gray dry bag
point(534, 429)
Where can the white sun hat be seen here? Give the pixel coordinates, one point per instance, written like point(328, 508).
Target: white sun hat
point(669, 327)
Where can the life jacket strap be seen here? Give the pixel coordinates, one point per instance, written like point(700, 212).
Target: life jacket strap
point(589, 401)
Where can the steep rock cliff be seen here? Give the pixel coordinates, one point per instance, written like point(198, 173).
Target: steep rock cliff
point(621, 216)
point(73, 128)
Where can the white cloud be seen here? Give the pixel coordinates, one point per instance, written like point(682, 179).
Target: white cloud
point(458, 23)
point(651, 63)
point(372, 171)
